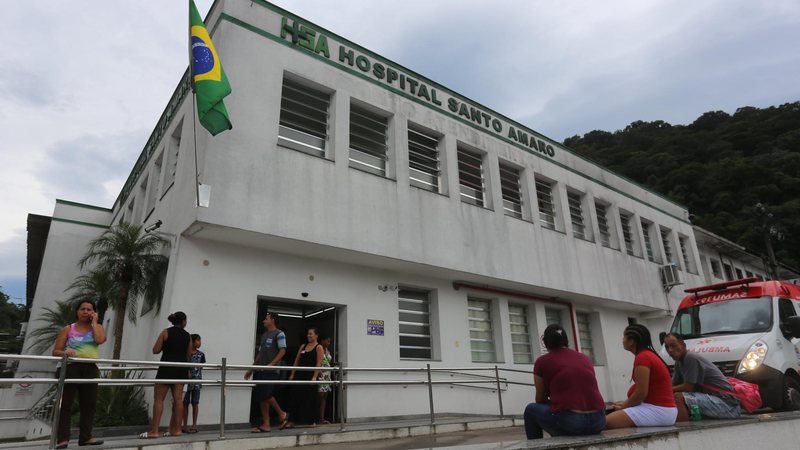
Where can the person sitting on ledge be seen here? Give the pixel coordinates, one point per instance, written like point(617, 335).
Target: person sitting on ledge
point(693, 382)
point(566, 378)
point(650, 401)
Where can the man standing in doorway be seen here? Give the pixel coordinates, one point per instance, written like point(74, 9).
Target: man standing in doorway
point(271, 348)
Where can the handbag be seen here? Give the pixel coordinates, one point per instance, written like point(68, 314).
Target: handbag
point(747, 393)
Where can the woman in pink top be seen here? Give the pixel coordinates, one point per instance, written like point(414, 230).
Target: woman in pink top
point(80, 340)
point(568, 401)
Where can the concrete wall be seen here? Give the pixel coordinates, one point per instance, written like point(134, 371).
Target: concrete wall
point(260, 187)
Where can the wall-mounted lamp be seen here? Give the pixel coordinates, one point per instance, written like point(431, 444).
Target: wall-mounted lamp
point(387, 287)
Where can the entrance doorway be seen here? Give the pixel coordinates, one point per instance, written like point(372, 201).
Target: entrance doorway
point(295, 319)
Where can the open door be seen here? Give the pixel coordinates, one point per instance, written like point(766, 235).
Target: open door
point(295, 318)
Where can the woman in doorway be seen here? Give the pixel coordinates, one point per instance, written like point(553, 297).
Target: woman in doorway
point(175, 345)
point(305, 396)
point(650, 400)
point(325, 389)
point(80, 340)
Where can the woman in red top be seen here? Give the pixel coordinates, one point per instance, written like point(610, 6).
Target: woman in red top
point(568, 401)
point(650, 400)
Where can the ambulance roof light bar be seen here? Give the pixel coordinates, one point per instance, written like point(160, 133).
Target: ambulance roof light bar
point(723, 285)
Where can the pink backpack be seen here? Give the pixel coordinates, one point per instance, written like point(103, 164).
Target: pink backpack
point(747, 393)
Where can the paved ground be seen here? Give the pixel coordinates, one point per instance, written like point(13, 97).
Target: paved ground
point(467, 440)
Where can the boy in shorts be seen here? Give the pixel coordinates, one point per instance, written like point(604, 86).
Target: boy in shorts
point(193, 390)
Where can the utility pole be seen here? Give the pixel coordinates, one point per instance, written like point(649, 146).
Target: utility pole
point(768, 231)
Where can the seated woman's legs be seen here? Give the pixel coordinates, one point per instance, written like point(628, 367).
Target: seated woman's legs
point(538, 417)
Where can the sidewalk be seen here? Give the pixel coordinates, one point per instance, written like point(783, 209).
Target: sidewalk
point(776, 431)
point(240, 438)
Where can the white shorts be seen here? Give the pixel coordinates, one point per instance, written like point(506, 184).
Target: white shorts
point(648, 415)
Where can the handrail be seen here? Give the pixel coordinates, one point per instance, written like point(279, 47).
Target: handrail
point(224, 381)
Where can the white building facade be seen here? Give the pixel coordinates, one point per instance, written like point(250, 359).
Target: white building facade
point(414, 225)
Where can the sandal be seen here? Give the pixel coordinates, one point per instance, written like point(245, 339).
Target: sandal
point(260, 430)
point(284, 421)
point(192, 430)
point(147, 435)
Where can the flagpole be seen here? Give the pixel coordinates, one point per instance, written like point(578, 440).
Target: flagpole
point(194, 135)
point(194, 110)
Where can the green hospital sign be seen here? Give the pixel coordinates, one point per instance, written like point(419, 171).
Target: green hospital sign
point(396, 79)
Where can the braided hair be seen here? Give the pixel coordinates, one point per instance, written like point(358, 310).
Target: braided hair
point(640, 335)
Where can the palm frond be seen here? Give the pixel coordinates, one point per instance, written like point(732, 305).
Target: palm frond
point(55, 319)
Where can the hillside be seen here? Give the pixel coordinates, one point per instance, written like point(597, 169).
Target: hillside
point(719, 167)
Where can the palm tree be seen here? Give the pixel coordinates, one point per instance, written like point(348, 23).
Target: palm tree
point(133, 262)
point(96, 285)
point(55, 319)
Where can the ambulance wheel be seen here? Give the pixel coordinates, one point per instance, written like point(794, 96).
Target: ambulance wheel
point(791, 394)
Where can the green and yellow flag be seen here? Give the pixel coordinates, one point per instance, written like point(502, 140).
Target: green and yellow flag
point(208, 79)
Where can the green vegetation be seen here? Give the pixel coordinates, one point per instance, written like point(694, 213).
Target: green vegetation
point(719, 167)
point(135, 268)
point(11, 316)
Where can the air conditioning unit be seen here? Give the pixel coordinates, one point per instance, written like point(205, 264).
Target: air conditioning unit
point(670, 276)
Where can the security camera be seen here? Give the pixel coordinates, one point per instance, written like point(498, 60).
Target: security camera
point(304, 294)
point(153, 227)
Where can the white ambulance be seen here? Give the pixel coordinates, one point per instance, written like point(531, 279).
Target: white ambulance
point(750, 329)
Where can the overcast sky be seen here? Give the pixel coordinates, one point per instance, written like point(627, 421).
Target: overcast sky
point(83, 82)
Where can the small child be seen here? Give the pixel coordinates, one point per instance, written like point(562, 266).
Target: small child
point(193, 390)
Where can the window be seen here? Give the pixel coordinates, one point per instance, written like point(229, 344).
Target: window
point(423, 159)
point(668, 252)
point(470, 177)
point(303, 124)
point(715, 269)
point(576, 215)
point(748, 273)
point(414, 323)
point(512, 192)
point(128, 216)
point(481, 335)
point(520, 334)
point(141, 208)
point(553, 316)
point(368, 148)
point(585, 334)
point(686, 253)
point(627, 234)
point(602, 224)
point(739, 274)
point(547, 212)
point(155, 174)
point(172, 155)
point(648, 245)
point(728, 271)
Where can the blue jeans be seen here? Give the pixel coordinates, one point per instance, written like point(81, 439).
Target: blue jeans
point(538, 418)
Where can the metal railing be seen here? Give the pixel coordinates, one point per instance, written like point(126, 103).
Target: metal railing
point(224, 382)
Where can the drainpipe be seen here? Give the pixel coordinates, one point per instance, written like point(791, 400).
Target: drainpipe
point(486, 288)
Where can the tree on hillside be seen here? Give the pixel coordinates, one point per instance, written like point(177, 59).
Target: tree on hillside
point(133, 261)
point(719, 167)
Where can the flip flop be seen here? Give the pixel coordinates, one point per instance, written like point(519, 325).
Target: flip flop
point(259, 430)
point(146, 435)
point(284, 422)
point(192, 430)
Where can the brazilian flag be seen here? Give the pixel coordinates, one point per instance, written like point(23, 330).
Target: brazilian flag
point(208, 79)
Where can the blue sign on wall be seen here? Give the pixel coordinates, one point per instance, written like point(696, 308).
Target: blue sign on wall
point(374, 327)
